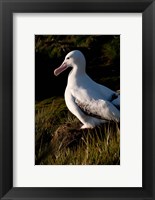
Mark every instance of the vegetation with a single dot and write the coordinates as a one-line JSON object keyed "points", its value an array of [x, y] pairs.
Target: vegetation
{"points": [[58, 137]]}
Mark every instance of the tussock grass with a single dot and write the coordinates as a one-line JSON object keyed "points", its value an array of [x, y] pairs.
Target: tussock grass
{"points": [[60, 141]]}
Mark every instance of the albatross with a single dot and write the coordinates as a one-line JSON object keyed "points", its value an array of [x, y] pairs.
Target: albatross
{"points": [[92, 103]]}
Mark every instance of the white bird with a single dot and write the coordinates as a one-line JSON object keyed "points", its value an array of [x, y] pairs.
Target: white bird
{"points": [[89, 101]]}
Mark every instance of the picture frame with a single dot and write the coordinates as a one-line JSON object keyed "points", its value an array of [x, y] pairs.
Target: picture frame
{"points": [[7, 8]]}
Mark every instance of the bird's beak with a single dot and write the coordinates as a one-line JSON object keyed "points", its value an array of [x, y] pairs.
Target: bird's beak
{"points": [[60, 69]]}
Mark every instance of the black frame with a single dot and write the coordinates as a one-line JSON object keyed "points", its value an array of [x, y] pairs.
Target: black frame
{"points": [[7, 8]]}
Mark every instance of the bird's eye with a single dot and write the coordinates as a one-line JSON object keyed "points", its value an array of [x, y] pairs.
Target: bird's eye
{"points": [[67, 58]]}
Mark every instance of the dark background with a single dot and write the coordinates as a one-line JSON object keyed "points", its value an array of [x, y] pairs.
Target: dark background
{"points": [[102, 53]]}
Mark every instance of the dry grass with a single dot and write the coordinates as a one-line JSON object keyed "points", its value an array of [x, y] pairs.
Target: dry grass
{"points": [[60, 141]]}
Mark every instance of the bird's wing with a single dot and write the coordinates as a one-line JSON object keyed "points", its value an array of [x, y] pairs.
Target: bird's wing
{"points": [[99, 108], [116, 102]]}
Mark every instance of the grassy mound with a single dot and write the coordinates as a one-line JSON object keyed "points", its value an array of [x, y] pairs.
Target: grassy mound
{"points": [[60, 141]]}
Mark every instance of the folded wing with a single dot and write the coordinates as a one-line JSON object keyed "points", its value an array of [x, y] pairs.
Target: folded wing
{"points": [[101, 109]]}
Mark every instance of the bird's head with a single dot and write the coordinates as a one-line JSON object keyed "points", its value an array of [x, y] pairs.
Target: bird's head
{"points": [[74, 59]]}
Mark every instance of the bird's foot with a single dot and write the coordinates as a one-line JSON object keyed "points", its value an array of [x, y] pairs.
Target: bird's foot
{"points": [[86, 126]]}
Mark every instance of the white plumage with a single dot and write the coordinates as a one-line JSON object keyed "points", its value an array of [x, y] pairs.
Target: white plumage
{"points": [[89, 101]]}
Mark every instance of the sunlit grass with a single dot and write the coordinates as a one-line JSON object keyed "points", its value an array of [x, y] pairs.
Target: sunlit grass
{"points": [[60, 141]]}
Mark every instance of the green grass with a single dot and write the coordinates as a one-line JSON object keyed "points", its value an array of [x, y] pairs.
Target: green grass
{"points": [[60, 141]]}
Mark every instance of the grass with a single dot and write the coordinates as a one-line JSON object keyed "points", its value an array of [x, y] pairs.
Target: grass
{"points": [[60, 141]]}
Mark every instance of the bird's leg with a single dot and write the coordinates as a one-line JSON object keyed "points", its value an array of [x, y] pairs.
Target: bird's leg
{"points": [[84, 119], [92, 122], [85, 126], [87, 121]]}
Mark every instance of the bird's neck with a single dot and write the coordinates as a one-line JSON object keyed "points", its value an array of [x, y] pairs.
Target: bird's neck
{"points": [[76, 73], [78, 70]]}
